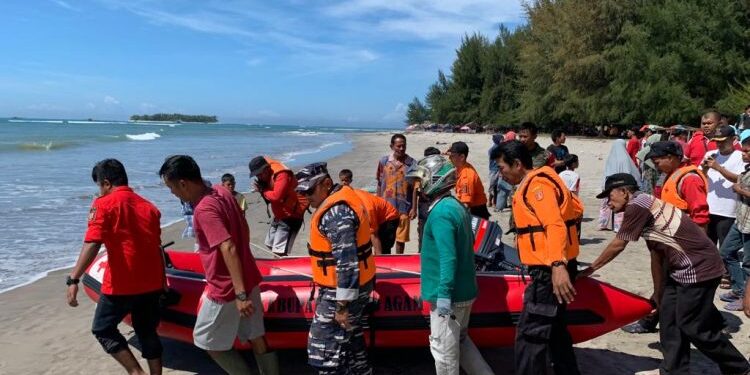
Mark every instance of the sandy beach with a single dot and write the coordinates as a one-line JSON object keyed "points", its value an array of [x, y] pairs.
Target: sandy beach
{"points": [[40, 334]]}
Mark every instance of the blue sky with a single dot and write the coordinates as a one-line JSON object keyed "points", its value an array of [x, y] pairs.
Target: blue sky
{"points": [[352, 63]]}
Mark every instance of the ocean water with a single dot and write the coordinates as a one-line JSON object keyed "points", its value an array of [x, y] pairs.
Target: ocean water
{"points": [[46, 187]]}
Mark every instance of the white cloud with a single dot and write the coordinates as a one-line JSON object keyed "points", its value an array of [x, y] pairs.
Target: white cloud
{"points": [[398, 114], [90, 105], [65, 5], [110, 100], [256, 25], [433, 20]]}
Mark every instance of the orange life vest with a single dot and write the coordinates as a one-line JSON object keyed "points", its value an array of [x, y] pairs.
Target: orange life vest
{"points": [[531, 237], [292, 205], [670, 193], [320, 249]]}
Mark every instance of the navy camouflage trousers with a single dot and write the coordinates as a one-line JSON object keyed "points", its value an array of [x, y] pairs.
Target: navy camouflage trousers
{"points": [[330, 348]]}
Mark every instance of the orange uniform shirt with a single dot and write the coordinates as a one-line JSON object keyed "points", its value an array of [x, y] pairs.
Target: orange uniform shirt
{"points": [[469, 188], [378, 209]]}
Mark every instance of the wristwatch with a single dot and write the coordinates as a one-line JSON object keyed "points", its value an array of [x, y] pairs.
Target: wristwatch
{"points": [[71, 281], [558, 263], [241, 296], [341, 307]]}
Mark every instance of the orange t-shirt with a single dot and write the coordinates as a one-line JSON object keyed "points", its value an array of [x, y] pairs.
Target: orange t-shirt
{"points": [[378, 209], [469, 188]]}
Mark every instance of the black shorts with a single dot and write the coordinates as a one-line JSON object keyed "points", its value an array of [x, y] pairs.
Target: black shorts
{"points": [[144, 314], [387, 235]]}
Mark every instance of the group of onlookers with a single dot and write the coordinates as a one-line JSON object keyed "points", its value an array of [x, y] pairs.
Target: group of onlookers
{"points": [[702, 176]]}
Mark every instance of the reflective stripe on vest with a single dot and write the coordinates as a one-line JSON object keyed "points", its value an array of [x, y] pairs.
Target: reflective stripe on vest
{"points": [[321, 251], [670, 193], [531, 238]]}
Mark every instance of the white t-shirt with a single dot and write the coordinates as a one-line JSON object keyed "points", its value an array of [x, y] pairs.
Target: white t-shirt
{"points": [[722, 200], [571, 180]]}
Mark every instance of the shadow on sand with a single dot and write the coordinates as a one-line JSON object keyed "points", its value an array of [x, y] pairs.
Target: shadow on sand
{"points": [[185, 357]]}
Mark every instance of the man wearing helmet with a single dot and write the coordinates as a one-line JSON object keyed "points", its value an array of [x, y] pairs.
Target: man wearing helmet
{"points": [[343, 269], [448, 278]]}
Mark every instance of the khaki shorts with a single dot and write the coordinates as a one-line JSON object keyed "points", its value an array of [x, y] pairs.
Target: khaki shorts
{"points": [[218, 324], [402, 232]]}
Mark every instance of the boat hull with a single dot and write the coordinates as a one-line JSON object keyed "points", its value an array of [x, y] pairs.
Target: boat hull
{"points": [[397, 317]]}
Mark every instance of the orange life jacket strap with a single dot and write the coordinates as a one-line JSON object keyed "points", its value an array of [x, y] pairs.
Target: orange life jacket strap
{"points": [[538, 228], [326, 258]]}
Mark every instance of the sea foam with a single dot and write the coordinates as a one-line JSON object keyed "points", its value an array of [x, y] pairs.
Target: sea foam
{"points": [[142, 137]]}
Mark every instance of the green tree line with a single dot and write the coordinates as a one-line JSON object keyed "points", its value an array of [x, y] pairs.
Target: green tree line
{"points": [[174, 117], [590, 62]]}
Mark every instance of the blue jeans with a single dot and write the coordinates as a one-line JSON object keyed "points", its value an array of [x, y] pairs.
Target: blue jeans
{"points": [[738, 268], [500, 189]]}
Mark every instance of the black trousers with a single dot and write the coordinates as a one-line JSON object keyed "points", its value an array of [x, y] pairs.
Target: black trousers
{"points": [[687, 315], [718, 227], [387, 235], [542, 334], [144, 314]]}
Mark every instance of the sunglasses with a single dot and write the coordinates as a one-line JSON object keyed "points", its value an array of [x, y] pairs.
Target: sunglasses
{"points": [[309, 191]]}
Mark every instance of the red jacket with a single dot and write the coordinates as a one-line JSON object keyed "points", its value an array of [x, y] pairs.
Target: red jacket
{"points": [[633, 146]]}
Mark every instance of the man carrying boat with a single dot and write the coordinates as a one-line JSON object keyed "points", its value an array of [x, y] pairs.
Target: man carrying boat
{"points": [[448, 279], [546, 214], [231, 306], [684, 294], [343, 268], [276, 183], [128, 226]]}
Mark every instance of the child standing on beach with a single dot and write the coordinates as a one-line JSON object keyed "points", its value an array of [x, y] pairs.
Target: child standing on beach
{"points": [[569, 175], [227, 180]]}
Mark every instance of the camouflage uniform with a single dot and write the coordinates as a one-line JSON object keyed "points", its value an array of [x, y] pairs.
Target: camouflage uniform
{"points": [[539, 156], [330, 348]]}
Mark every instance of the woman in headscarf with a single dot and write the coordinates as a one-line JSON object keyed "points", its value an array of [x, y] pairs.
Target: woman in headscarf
{"points": [[618, 161]]}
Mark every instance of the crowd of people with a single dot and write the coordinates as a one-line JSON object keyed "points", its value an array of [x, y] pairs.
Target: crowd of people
{"points": [[652, 189]]}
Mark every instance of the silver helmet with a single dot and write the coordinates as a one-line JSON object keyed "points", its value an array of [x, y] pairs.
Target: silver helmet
{"points": [[436, 174]]}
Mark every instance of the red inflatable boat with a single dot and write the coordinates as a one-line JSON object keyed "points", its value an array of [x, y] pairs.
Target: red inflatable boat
{"points": [[398, 317]]}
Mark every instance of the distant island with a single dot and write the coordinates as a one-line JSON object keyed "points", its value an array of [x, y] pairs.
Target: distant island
{"points": [[174, 117]]}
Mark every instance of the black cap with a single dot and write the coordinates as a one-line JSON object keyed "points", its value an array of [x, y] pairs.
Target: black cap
{"points": [[722, 133], [615, 181], [257, 165], [310, 175], [679, 129], [664, 148], [459, 148]]}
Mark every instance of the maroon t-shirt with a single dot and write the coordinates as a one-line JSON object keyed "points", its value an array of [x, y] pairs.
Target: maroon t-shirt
{"points": [[217, 218], [692, 257]]}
